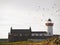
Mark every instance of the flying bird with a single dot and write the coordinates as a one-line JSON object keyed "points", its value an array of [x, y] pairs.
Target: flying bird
{"points": [[57, 10], [54, 4], [43, 8], [53, 7]]}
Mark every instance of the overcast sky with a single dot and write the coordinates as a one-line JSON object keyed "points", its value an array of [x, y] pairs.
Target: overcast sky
{"points": [[26, 13]]}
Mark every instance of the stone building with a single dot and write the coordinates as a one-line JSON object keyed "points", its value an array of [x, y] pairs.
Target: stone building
{"points": [[27, 34]]}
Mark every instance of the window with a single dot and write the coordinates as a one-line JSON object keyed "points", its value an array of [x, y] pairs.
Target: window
{"points": [[37, 34], [33, 34], [20, 34], [15, 34], [40, 34]]}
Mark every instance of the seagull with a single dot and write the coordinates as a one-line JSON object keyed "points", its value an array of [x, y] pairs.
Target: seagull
{"points": [[58, 10], [43, 8], [52, 7], [54, 4]]}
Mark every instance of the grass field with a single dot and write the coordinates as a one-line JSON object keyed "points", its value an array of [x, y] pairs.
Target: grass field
{"points": [[51, 41]]}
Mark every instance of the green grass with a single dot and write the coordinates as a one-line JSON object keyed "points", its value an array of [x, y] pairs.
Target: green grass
{"points": [[51, 41]]}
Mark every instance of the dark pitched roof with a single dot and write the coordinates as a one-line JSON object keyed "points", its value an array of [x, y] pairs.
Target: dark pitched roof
{"points": [[20, 30]]}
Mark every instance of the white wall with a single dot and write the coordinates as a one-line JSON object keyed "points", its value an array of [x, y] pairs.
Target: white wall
{"points": [[50, 30]]}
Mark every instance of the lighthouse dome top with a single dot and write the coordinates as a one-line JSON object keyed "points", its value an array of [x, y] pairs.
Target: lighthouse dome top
{"points": [[49, 19], [49, 22]]}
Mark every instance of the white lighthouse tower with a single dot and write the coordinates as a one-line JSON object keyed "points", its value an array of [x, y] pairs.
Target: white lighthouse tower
{"points": [[49, 25]]}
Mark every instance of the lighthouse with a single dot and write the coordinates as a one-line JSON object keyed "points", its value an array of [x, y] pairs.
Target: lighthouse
{"points": [[49, 25]]}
